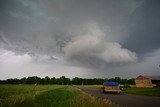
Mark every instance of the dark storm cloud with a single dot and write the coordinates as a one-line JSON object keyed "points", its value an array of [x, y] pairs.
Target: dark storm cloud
{"points": [[93, 32], [48, 27], [26, 28], [91, 38], [144, 28]]}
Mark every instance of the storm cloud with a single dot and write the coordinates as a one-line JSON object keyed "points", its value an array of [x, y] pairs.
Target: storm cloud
{"points": [[86, 35], [91, 48]]}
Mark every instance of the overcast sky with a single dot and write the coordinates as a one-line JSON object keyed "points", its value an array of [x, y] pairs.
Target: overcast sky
{"points": [[79, 38]]}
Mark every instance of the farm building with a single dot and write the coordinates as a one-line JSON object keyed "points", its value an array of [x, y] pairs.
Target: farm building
{"points": [[147, 81]]}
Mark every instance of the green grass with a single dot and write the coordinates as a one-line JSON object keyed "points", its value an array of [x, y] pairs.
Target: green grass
{"points": [[47, 96], [22, 95], [143, 91], [91, 86], [57, 97]]}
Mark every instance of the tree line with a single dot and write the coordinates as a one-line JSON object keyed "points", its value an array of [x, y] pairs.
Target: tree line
{"points": [[64, 81]]}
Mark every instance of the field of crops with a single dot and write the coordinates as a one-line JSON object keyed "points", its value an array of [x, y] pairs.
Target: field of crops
{"points": [[47, 96]]}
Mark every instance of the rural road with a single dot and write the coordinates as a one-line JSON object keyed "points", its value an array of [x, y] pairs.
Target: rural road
{"points": [[128, 100]]}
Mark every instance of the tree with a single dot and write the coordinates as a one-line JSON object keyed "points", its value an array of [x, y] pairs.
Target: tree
{"points": [[46, 80], [64, 81]]}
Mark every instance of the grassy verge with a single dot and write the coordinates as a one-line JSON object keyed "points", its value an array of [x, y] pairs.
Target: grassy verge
{"points": [[86, 100], [47, 96], [143, 91], [91, 86]]}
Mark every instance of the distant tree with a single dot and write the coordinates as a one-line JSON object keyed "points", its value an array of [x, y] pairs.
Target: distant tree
{"points": [[53, 80], [32, 80], [131, 81], [77, 81], [13, 81], [46, 80], [23, 80], [65, 81]]}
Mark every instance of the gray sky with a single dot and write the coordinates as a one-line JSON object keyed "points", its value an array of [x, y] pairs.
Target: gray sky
{"points": [[83, 38]]}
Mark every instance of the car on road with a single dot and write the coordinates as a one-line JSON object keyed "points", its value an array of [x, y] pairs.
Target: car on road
{"points": [[111, 87]]}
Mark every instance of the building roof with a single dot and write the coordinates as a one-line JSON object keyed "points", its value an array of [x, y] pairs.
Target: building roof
{"points": [[141, 78], [148, 77]]}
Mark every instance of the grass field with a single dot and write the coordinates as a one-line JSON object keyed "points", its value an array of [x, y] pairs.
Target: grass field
{"points": [[143, 91], [47, 96], [91, 86]]}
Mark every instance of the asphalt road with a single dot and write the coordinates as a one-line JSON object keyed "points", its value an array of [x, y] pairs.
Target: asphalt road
{"points": [[128, 100]]}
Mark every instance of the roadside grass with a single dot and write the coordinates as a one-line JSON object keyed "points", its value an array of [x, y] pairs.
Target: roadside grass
{"points": [[143, 91], [48, 96], [91, 86], [86, 100]]}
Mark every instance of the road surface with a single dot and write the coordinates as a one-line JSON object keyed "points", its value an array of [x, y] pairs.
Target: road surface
{"points": [[128, 100]]}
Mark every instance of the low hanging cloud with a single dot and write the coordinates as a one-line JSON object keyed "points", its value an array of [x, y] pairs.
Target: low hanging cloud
{"points": [[92, 48], [67, 37]]}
